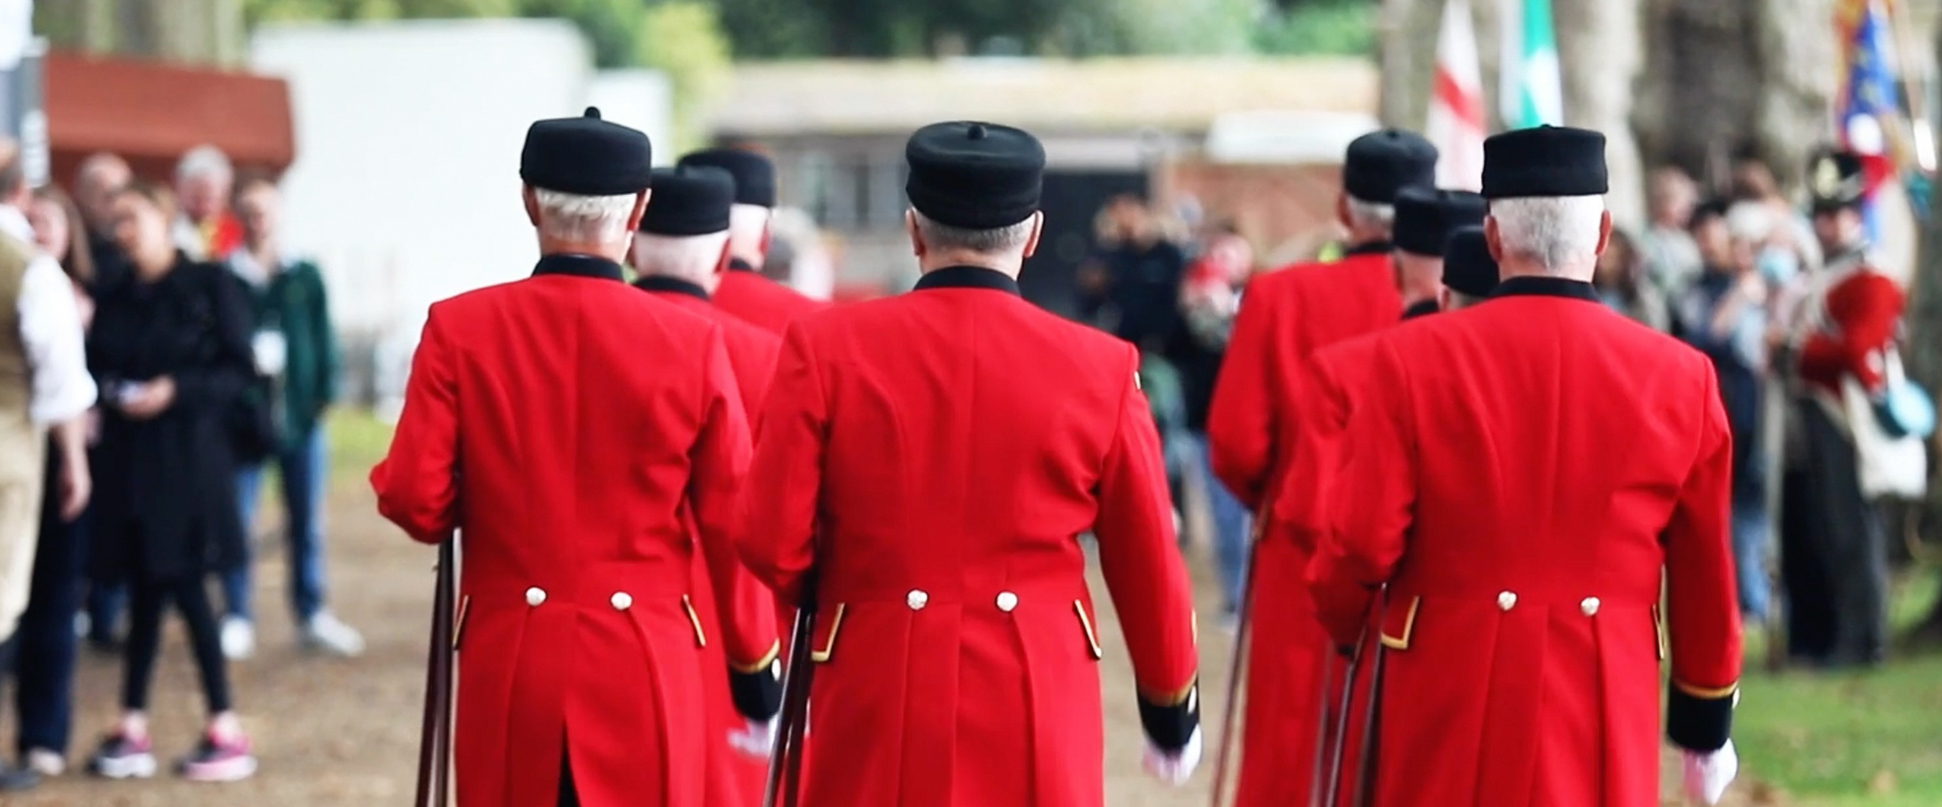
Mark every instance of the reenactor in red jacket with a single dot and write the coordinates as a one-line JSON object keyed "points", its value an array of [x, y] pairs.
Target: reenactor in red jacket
{"points": [[744, 292], [932, 459], [1515, 559], [680, 255], [1285, 316], [586, 441]]}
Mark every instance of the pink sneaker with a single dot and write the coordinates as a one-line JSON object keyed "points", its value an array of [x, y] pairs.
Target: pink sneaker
{"points": [[217, 760], [123, 757]]}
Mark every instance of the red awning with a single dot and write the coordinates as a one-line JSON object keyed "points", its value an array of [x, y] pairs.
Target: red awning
{"points": [[150, 113]]}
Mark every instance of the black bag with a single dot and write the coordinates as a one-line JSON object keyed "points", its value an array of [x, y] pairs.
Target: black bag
{"points": [[252, 432]]}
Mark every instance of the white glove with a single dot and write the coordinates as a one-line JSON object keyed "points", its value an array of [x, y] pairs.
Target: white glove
{"points": [[756, 738], [1708, 774], [1175, 768]]}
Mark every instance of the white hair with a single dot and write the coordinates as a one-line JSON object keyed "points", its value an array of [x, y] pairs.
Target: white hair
{"points": [[1751, 222], [1559, 233], [998, 240], [203, 161], [584, 219], [689, 257], [1364, 215]]}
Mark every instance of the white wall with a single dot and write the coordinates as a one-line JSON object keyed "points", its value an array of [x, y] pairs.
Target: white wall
{"points": [[406, 184], [643, 99]]}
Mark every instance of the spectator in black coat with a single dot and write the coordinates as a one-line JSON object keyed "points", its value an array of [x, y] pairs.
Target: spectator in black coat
{"points": [[171, 347]]}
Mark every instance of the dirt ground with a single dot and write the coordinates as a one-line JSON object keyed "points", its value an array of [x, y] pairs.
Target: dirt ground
{"points": [[334, 732]]}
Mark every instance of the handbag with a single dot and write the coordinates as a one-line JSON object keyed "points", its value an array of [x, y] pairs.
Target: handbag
{"points": [[246, 421], [1904, 408]]}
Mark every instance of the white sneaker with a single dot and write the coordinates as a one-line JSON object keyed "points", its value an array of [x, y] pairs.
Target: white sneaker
{"points": [[239, 638], [46, 763], [326, 633]]}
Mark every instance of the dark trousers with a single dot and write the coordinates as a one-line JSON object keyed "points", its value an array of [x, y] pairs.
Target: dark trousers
{"points": [[147, 600], [1838, 535], [44, 667]]}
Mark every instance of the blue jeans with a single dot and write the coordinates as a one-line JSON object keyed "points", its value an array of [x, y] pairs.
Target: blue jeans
{"points": [[1750, 557], [303, 472], [44, 671], [1230, 526]]}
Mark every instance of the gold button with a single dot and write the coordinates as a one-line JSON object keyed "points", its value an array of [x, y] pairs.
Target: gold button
{"points": [[535, 596], [1506, 600], [917, 599], [622, 600], [1007, 601], [1589, 606]]}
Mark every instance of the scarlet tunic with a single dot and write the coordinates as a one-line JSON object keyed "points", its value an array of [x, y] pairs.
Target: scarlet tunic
{"points": [[765, 303], [1253, 434], [935, 456], [563, 424], [1520, 474], [1857, 322], [734, 778]]}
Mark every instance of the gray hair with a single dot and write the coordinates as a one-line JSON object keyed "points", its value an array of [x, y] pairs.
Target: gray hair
{"points": [[1559, 233], [584, 219], [203, 161], [1009, 238], [689, 257], [1364, 215]]}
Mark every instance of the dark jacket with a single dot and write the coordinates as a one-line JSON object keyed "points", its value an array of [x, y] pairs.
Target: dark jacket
{"points": [[165, 496], [293, 302]]}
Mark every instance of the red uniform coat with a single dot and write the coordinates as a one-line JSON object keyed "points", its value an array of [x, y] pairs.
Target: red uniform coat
{"points": [[734, 778], [765, 303], [1253, 434], [1857, 322], [568, 426], [935, 457], [1520, 474]]}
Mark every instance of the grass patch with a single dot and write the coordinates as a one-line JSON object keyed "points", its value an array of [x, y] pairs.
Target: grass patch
{"points": [[358, 441], [1850, 738]]}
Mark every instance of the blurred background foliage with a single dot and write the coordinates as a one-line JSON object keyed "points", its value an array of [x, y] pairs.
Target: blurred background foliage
{"points": [[668, 33]]}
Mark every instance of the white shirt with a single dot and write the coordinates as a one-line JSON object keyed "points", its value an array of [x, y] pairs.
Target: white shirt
{"points": [[50, 329]]}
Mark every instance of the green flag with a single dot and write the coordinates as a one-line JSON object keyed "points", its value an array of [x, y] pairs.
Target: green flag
{"points": [[1531, 92]]}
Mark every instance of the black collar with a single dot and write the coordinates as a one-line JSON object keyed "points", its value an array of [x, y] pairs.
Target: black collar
{"points": [[1371, 248], [578, 266], [739, 265], [1421, 308], [968, 277], [673, 285], [1532, 286]]}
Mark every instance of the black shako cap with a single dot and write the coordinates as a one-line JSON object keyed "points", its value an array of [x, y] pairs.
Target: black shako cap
{"points": [[753, 173], [1381, 163], [1467, 265], [977, 176], [1425, 217], [1835, 180], [689, 200], [586, 156], [1544, 161]]}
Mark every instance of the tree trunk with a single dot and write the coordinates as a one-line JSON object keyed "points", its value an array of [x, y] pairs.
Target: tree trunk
{"points": [[1924, 362], [1598, 50], [1727, 77]]}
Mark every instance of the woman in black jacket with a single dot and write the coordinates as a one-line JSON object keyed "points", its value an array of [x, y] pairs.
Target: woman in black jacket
{"points": [[170, 348]]}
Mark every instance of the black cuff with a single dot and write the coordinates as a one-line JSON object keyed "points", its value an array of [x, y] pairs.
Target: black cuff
{"points": [[1169, 727], [758, 695], [1699, 722]]}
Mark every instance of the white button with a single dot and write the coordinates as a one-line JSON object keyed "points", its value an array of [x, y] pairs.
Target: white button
{"points": [[917, 599], [535, 596], [1007, 601], [1589, 606], [1507, 600], [621, 600]]}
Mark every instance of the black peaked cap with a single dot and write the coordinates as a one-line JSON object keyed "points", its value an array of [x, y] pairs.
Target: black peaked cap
{"points": [[1381, 163], [753, 173], [977, 176], [689, 200], [586, 156], [1545, 161]]}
